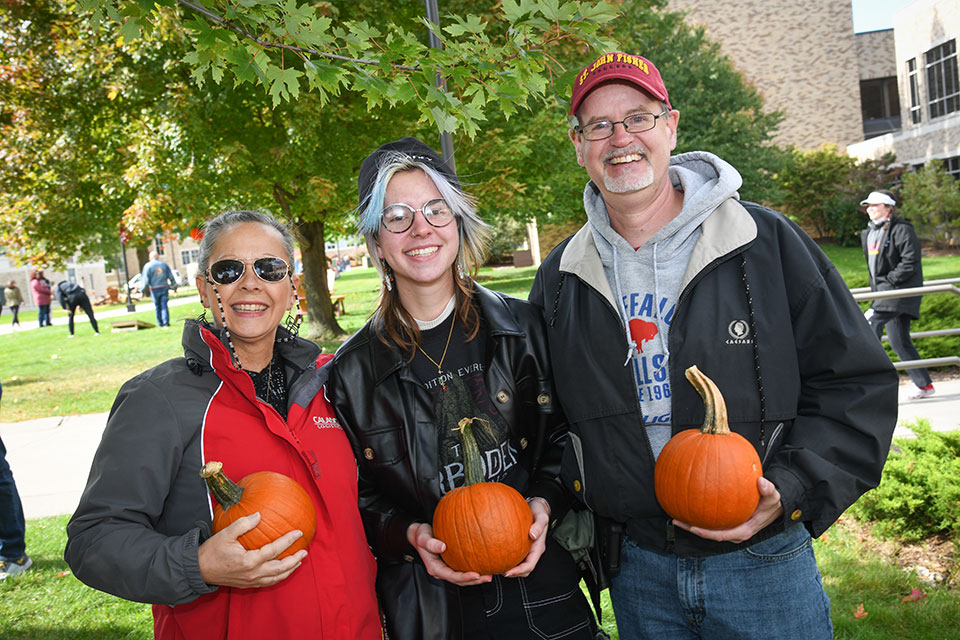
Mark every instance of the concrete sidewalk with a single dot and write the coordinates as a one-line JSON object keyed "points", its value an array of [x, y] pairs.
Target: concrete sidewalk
{"points": [[80, 318], [50, 457]]}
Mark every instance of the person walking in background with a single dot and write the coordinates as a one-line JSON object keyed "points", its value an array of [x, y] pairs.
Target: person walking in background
{"points": [[71, 295], [14, 300], [13, 547], [673, 270], [41, 296], [892, 250], [157, 278]]}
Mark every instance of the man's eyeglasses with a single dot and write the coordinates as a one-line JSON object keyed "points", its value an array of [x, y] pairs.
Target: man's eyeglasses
{"points": [[636, 123], [397, 218], [267, 269]]}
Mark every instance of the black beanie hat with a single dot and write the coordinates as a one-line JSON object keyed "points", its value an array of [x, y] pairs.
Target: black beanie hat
{"points": [[411, 147]]}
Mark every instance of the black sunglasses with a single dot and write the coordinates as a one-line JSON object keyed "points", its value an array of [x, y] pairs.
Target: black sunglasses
{"points": [[267, 269]]}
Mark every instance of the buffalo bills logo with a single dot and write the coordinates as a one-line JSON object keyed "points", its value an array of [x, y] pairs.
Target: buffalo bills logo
{"points": [[642, 331]]}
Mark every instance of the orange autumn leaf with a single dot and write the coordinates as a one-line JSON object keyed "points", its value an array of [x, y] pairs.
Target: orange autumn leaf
{"points": [[915, 595], [859, 613]]}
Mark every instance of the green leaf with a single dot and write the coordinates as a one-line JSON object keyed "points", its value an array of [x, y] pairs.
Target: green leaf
{"points": [[284, 84]]}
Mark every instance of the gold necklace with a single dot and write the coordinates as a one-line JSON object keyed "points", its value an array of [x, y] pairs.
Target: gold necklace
{"points": [[439, 365]]}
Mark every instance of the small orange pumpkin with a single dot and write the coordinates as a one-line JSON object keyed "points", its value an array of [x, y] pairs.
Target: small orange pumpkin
{"points": [[707, 477], [283, 505], [485, 525]]}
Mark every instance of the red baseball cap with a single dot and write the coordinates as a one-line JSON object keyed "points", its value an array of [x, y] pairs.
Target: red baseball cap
{"points": [[618, 66]]}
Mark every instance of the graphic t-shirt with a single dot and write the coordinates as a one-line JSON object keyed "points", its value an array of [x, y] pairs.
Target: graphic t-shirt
{"points": [[460, 394]]}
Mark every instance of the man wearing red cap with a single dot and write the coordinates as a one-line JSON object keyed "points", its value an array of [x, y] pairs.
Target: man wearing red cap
{"points": [[673, 270]]}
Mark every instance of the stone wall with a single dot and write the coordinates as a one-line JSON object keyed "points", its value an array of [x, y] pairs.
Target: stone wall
{"points": [[802, 56], [876, 54]]}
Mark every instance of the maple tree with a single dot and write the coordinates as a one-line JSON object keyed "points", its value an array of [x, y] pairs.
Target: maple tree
{"points": [[169, 148]]}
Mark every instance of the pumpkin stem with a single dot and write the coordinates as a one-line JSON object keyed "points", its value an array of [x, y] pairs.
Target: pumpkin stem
{"points": [[226, 491], [472, 461], [715, 417]]}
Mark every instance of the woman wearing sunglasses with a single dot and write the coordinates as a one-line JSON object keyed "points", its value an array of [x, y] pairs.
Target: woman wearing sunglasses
{"points": [[441, 348], [248, 393]]}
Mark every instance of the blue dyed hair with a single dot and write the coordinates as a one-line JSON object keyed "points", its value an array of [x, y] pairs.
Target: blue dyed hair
{"points": [[474, 232]]}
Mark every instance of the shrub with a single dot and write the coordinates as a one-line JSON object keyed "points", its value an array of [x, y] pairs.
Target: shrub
{"points": [[506, 234], [919, 494], [931, 200]]}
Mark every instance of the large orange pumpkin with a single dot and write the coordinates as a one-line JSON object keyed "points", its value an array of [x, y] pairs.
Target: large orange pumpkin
{"points": [[485, 525], [707, 477], [283, 505]]}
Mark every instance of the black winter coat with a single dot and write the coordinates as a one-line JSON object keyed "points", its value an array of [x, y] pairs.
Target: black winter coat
{"points": [[764, 314], [898, 266], [389, 417]]}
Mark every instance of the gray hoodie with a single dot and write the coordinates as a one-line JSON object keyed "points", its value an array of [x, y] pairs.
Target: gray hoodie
{"points": [[647, 280]]}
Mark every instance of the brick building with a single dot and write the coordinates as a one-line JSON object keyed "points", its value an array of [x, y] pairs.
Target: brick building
{"points": [[920, 71], [802, 57]]}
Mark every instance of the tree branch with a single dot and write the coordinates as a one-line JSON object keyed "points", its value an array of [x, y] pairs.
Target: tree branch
{"points": [[220, 20]]}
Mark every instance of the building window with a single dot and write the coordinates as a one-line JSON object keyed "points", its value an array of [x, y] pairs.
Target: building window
{"points": [[943, 88], [952, 165], [912, 74], [189, 256], [880, 106]]}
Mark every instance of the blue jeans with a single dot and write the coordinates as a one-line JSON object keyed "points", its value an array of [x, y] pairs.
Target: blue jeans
{"points": [[771, 589], [44, 314], [160, 303], [12, 524]]}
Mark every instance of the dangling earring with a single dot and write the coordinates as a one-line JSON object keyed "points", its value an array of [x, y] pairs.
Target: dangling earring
{"points": [[387, 275], [461, 273], [226, 331], [293, 320]]}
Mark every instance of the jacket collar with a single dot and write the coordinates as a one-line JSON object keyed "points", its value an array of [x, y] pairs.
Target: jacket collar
{"points": [[496, 319], [299, 353], [729, 227]]}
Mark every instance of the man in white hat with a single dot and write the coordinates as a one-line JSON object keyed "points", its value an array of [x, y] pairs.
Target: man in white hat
{"points": [[892, 250]]}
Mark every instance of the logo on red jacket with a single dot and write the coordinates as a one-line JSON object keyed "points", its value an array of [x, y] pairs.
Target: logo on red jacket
{"points": [[322, 422], [642, 331]]}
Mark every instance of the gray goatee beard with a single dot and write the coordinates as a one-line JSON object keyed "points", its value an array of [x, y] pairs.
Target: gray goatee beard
{"points": [[631, 181]]}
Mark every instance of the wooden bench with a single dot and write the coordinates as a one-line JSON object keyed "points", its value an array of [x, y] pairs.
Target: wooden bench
{"points": [[339, 306], [130, 324]]}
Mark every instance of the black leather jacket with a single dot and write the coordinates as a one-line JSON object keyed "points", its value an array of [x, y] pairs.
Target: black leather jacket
{"points": [[898, 266], [389, 417]]}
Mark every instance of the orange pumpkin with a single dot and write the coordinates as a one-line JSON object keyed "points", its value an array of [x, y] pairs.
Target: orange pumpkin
{"points": [[283, 505], [485, 525], [707, 477]]}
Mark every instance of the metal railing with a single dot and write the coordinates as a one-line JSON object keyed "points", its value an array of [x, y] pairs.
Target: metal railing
{"points": [[862, 294]]}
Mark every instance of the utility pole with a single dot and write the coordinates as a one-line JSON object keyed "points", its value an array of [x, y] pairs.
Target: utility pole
{"points": [[446, 140]]}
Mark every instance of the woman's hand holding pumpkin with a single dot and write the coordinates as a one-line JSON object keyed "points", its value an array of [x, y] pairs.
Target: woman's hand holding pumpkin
{"points": [[224, 561], [420, 536], [538, 534], [768, 510]]}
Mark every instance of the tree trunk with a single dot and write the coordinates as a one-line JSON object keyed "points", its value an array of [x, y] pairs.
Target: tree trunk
{"points": [[321, 322], [143, 257]]}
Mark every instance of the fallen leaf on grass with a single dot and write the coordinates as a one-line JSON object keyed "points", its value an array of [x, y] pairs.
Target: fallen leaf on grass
{"points": [[859, 612], [63, 574], [915, 595]]}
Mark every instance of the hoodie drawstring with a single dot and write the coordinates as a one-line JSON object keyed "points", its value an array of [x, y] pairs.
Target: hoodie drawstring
{"points": [[656, 296], [632, 344]]}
